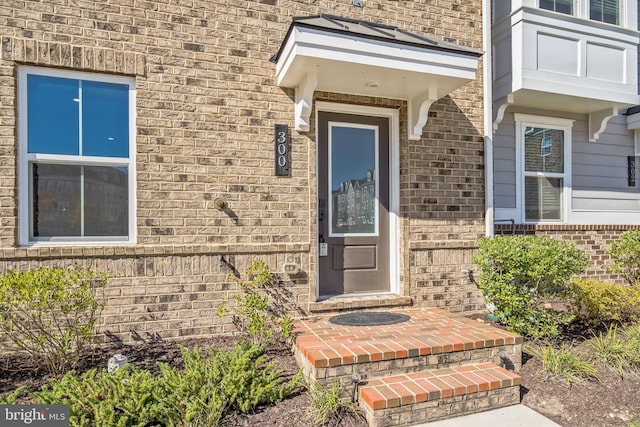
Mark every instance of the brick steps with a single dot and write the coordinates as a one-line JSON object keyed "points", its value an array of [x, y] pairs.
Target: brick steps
{"points": [[437, 394], [437, 365]]}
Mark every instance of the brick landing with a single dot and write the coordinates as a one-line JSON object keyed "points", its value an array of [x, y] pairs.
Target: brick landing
{"points": [[430, 331]]}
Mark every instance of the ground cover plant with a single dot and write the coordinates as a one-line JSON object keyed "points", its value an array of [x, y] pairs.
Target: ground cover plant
{"points": [[204, 392], [618, 349], [564, 363], [327, 408]]}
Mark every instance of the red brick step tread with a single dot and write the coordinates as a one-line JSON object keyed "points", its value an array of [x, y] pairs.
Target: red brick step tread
{"points": [[406, 389], [430, 331]]}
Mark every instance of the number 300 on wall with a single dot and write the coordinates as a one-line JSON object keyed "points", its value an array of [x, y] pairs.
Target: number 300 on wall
{"points": [[282, 150]]}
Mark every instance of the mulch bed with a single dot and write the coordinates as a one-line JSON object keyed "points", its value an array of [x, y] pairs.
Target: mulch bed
{"points": [[612, 402]]}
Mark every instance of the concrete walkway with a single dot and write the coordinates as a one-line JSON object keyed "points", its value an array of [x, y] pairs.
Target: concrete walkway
{"points": [[511, 416]]}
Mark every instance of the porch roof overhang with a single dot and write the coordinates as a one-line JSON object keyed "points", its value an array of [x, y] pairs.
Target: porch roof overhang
{"points": [[334, 54]]}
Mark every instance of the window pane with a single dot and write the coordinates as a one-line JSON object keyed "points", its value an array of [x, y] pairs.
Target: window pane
{"points": [[543, 198], [544, 150], [562, 6], [52, 115], [604, 11], [353, 183], [105, 119], [56, 200], [106, 201]]}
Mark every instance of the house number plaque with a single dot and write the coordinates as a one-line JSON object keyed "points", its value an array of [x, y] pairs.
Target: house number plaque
{"points": [[631, 161], [282, 150]]}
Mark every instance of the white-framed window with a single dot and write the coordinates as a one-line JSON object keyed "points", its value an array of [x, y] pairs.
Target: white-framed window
{"points": [[560, 6], [543, 149], [608, 11], [76, 141], [605, 11]]}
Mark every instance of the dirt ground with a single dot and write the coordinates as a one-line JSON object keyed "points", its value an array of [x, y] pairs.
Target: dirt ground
{"points": [[611, 402]]}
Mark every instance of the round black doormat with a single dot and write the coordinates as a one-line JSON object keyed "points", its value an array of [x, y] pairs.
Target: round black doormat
{"points": [[369, 318]]}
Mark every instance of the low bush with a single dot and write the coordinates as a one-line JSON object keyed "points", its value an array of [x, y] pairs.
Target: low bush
{"points": [[51, 313], [626, 256], [204, 393], [518, 272], [253, 313], [597, 302], [564, 363]]}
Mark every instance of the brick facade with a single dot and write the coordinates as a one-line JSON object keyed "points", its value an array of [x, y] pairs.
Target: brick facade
{"points": [[206, 106]]}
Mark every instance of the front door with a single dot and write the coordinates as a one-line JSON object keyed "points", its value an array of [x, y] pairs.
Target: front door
{"points": [[353, 204]]}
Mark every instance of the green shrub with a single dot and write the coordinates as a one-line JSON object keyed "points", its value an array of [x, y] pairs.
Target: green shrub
{"points": [[327, 408], [253, 313], [598, 302], [626, 256], [204, 393], [50, 313], [518, 272], [564, 363]]}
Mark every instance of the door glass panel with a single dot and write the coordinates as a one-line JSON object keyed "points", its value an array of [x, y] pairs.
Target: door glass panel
{"points": [[353, 161]]}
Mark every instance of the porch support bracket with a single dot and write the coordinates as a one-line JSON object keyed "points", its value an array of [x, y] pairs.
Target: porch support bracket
{"points": [[598, 122], [499, 114], [304, 101], [419, 111]]}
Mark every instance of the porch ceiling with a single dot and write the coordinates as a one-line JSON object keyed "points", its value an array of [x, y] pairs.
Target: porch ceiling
{"points": [[335, 54]]}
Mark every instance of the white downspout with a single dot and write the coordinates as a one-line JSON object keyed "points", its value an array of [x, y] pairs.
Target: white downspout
{"points": [[488, 116]]}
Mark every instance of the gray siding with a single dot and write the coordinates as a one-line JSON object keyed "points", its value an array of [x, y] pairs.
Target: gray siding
{"points": [[598, 170], [504, 158]]}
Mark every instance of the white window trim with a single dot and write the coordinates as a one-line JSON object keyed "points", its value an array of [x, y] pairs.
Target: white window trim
{"points": [[25, 159], [581, 10], [566, 125]]}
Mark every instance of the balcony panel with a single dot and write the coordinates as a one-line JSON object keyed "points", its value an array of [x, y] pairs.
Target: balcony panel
{"points": [[605, 63], [558, 54], [560, 62]]}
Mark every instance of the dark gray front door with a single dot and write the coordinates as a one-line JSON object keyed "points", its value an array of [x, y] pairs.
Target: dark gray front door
{"points": [[353, 204]]}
